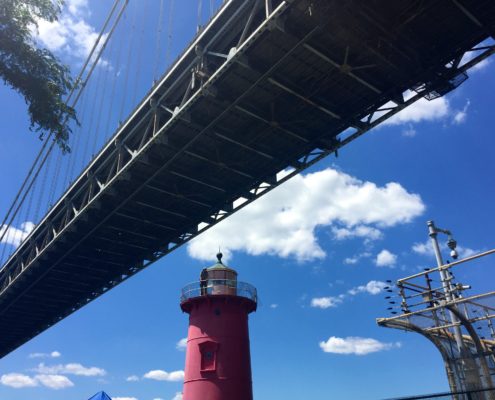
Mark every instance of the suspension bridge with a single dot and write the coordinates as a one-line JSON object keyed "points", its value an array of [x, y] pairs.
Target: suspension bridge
{"points": [[265, 89]]}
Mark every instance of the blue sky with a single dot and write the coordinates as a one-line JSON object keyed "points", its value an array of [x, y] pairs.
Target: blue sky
{"points": [[318, 249]]}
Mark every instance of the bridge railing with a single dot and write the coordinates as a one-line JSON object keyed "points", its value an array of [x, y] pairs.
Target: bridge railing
{"points": [[223, 287]]}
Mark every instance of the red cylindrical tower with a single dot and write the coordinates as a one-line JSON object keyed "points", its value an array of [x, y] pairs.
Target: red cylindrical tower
{"points": [[218, 362]]}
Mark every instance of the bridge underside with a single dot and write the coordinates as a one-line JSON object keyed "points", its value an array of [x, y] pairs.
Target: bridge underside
{"points": [[257, 92]]}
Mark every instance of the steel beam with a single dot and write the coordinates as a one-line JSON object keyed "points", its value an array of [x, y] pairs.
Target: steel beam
{"points": [[303, 98], [339, 67]]}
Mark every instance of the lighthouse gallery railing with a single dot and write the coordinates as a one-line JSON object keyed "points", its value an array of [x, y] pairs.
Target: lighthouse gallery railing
{"points": [[214, 287]]}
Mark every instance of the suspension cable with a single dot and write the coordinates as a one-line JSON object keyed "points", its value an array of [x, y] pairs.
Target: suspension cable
{"points": [[93, 49], [45, 144], [29, 186]]}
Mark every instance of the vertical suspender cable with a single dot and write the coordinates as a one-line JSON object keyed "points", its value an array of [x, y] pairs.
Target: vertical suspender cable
{"points": [[140, 53], [16, 231], [30, 203], [200, 13], [158, 38], [112, 95], [54, 180], [23, 186], [100, 114], [169, 34], [5, 240], [132, 32], [76, 140], [8, 234], [68, 158], [43, 187], [98, 88]]}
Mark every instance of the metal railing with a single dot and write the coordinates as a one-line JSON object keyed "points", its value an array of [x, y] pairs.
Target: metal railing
{"points": [[214, 287], [480, 394]]}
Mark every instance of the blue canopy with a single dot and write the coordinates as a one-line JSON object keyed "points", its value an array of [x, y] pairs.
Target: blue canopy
{"points": [[100, 396]]}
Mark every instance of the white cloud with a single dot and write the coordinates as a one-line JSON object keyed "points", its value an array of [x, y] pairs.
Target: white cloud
{"points": [[273, 305], [409, 131], [70, 35], [178, 396], [426, 249], [356, 258], [77, 7], [355, 345], [124, 398], [352, 260], [427, 111], [461, 115], [54, 381], [372, 287], [72, 368], [15, 236], [361, 231], [385, 259], [420, 111], [466, 251], [18, 381], [53, 354], [157, 398], [159, 375], [283, 222], [53, 35], [325, 302], [132, 378], [181, 344]]}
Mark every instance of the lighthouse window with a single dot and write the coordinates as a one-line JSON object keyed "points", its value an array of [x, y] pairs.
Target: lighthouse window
{"points": [[208, 355]]}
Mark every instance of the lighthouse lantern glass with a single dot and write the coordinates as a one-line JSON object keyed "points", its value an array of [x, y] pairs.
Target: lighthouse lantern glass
{"points": [[222, 281]]}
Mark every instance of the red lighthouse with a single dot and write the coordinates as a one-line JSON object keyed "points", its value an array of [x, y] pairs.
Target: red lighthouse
{"points": [[218, 362]]}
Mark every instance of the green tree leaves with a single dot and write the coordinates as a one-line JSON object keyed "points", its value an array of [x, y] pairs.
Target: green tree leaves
{"points": [[33, 72]]}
